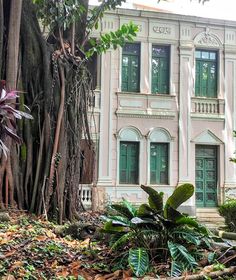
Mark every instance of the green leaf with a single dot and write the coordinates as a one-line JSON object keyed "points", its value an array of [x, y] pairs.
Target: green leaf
{"points": [[119, 220], [110, 228], [191, 222], [138, 261], [122, 240], [138, 221], [181, 255], [179, 196], [121, 209], [155, 198], [186, 220], [187, 234], [211, 257], [172, 214], [132, 209], [176, 269], [144, 210]]}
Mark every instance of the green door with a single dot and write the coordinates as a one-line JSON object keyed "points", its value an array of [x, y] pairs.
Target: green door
{"points": [[206, 176]]}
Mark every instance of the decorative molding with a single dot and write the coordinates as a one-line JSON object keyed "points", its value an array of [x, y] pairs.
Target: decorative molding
{"points": [[207, 137], [146, 115], [161, 29], [207, 39], [208, 117], [230, 37], [185, 33]]}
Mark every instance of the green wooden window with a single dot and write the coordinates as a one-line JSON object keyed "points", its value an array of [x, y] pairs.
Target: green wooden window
{"points": [[159, 163], [206, 73], [160, 69], [129, 162], [131, 67]]}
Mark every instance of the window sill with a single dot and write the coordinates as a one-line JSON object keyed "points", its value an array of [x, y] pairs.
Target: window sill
{"points": [[159, 185], [128, 185], [145, 94]]}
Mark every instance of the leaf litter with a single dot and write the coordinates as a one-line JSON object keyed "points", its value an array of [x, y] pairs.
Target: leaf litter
{"points": [[30, 249]]}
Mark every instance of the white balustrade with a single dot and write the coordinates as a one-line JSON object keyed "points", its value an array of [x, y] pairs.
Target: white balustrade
{"points": [[85, 195], [207, 106]]}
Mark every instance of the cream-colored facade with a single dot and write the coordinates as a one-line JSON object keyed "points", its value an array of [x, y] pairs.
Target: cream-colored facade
{"points": [[178, 118]]}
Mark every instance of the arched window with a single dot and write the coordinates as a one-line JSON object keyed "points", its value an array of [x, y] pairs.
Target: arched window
{"points": [[129, 150]]}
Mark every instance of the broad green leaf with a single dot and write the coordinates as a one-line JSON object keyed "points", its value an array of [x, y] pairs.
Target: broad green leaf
{"points": [[190, 235], [181, 255], [137, 221], [186, 220], [122, 240], [176, 269], [132, 209], [122, 209], [119, 220], [179, 196], [172, 214], [110, 228], [138, 261], [144, 210], [155, 198]]}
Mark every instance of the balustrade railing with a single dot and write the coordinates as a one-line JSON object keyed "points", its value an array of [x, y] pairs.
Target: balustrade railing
{"points": [[207, 106], [85, 195]]}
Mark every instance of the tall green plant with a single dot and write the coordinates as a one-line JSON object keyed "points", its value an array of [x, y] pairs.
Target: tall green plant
{"points": [[152, 229]]}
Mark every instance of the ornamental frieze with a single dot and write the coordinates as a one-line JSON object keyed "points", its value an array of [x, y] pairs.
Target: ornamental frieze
{"points": [[162, 29]]}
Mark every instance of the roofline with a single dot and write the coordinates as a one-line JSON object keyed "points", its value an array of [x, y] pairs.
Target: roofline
{"points": [[171, 16]]}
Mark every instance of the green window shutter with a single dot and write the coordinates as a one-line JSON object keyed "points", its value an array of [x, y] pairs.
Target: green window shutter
{"points": [[131, 67], [212, 85], [206, 74], [197, 79], [129, 162], [159, 163], [123, 163], [160, 69], [125, 74]]}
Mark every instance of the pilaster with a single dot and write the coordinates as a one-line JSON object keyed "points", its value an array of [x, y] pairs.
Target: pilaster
{"points": [[185, 93], [105, 132], [230, 117]]}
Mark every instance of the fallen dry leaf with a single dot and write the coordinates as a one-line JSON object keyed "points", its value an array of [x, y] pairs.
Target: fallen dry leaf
{"points": [[64, 273], [127, 273], [12, 252], [15, 265], [85, 243], [41, 238], [99, 277]]}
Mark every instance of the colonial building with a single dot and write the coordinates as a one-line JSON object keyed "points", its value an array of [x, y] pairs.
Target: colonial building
{"points": [[165, 108]]}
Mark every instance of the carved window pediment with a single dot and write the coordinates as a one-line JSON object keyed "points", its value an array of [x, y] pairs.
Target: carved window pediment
{"points": [[207, 39]]}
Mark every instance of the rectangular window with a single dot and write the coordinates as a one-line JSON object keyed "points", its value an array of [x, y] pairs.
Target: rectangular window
{"points": [[160, 69], [131, 67], [129, 162], [206, 73], [159, 156]]}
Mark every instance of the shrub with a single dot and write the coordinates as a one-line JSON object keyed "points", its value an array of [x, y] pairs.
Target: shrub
{"points": [[156, 232], [228, 211]]}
